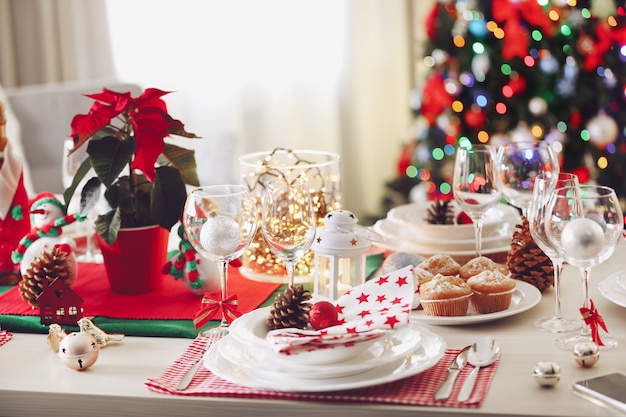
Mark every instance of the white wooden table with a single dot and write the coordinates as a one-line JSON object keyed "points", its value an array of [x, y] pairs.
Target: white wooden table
{"points": [[33, 381]]}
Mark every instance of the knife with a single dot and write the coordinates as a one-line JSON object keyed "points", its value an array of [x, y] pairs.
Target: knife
{"points": [[445, 389]]}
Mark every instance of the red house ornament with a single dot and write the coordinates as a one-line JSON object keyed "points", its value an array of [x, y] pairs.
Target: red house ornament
{"points": [[59, 303]]}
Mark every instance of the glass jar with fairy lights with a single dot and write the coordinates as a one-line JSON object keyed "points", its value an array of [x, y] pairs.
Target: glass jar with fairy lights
{"points": [[321, 169]]}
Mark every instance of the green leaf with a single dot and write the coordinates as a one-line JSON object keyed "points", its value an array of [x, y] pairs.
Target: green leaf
{"points": [[89, 196], [82, 170], [168, 197], [109, 156], [182, 159], [108, 225]]}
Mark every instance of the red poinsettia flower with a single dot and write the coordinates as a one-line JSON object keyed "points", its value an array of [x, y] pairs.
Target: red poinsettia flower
{"points": [[144, 118], [144, 177]]}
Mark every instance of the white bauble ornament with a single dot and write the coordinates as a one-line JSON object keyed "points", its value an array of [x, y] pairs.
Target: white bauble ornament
{"points": [[78, 350], [582, 238], [602, 130], [537, 106], [220, 236]]}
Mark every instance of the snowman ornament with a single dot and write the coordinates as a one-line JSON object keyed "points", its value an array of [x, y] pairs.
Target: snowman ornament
{"points": [[47, 216]]}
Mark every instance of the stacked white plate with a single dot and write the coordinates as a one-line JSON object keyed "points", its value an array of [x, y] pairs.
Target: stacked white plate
{"points": [[613, 288], [405, 229], [244, 357]]}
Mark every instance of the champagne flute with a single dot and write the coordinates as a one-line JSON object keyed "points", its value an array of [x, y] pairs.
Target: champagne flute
{"points": [[475, 184], [544, 186], [288, 221], [220, 221], [586, 223], [520, 162]]}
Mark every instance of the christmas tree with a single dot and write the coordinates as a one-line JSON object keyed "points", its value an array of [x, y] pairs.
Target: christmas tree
{"points": [[505, 69]]}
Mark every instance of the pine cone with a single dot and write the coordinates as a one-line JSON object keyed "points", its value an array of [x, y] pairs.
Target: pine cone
{"points": [[290, 309], [440, 212], [48, 267], [526, 261]]}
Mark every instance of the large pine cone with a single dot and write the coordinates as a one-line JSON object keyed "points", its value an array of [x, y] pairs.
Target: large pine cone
{"points": [[526, 261], [48, 267], [440, 212], [290, 309]]}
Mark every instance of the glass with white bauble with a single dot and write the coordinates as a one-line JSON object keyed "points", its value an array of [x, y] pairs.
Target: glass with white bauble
{"points": [[544, 186], [220, 221], [519, 163], [475, 184], [586, 223]]}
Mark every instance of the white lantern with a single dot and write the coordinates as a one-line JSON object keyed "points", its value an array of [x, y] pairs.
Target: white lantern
{"points": [[339, 255]]}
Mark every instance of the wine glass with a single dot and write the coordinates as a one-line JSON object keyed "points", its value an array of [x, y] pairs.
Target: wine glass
{"points": [[288, 221], [586, 223], [475, 184], [69, 165], [544, 186], [520, 162], [220, 221]]}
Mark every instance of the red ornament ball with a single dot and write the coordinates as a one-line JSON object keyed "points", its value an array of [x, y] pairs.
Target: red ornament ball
{"points": [[322, 314]]}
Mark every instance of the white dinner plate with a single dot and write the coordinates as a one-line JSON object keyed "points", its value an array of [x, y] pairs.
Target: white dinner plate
{"points": [[395, 233], [424, 357], [612, 289], [462, 256], [397, 344], [413, 215], [525, 297]]}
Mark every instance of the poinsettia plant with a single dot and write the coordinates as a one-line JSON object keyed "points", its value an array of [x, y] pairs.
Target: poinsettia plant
{"points": [[144, 177]]}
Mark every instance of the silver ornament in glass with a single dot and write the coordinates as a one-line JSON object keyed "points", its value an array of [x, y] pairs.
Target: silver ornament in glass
{"points": [[586, 354], [547, 374]]}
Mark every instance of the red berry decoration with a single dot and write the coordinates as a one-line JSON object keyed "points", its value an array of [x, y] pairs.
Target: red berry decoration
{"points": [[322, 314], [463, 218]]}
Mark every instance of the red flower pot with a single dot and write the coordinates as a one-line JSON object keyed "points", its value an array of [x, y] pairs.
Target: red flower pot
{"points": [[134, 262]]}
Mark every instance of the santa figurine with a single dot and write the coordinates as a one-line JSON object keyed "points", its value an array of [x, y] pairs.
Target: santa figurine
{"points": [[14, 203], [47, 217]]}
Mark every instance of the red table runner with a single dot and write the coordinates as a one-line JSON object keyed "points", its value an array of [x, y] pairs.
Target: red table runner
{"points": [[172, 302], [415, 390]]}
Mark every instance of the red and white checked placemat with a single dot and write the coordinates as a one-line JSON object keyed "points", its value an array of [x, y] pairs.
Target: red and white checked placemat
{"points": [[5, 336], [416, 390]]}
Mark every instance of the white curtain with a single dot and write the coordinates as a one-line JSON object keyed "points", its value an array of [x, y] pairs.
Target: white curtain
{"points": [[49, 41], [302, 74]]}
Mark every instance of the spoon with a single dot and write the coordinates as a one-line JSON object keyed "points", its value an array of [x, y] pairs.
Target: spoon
{"points": [[482, 353]]}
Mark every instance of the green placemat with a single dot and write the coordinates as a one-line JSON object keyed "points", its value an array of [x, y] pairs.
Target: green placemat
{"points": [[151, 328]]}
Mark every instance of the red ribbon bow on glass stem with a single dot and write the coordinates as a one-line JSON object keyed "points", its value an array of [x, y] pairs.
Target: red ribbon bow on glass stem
{"points": [[212, 308], [594, 320]]}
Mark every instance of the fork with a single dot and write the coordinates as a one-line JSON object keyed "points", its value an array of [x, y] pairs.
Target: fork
{"points": [[214, 335]]}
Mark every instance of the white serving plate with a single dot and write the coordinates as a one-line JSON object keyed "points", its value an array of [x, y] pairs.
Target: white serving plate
{"points": [[399, 343], [413, 215], [429, 352], [612, 288], [250, 329], [525, 297]]}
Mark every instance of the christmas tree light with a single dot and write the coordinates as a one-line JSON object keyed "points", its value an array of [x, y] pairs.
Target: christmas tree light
{"points": [[506, 70]]}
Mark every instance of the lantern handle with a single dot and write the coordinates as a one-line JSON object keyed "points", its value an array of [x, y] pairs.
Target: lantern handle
{"points": [[364, 232]]}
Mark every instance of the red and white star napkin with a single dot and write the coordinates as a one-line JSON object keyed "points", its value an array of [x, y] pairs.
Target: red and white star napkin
{"points": [[365, 312]]}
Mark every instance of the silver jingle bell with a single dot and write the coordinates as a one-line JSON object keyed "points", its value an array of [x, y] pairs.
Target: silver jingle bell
{"points": [[586, 354], [547, 374]]}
